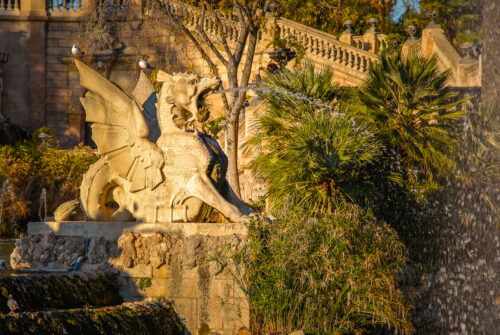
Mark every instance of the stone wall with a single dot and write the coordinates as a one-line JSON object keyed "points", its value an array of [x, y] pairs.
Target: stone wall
{"points": [[15, 39], [153, 260]]}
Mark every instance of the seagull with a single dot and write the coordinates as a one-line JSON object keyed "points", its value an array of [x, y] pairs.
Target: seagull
{"points": [[12, 304], [75, 51], [144, 64]]}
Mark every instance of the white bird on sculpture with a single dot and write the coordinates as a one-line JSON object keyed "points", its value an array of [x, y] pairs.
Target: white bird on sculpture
{"points": [[12, 304], [75, 51], [144, 64]]}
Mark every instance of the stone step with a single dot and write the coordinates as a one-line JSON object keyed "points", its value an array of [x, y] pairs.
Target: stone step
{"points": [[59, 291], [129, 318]]}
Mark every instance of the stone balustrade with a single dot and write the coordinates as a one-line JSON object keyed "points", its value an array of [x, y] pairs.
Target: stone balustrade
{"points": [[466, 71], [77, 8], [64, 5], [226, 24], [10, 6], [323, 48]]}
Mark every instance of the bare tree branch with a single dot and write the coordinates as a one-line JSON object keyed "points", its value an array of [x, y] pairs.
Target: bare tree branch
{"points": [[202, 32], [222, 36], [242, 37], [246, 13], [247, 70]]}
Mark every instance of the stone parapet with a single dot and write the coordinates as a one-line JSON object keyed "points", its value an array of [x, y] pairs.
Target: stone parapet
{"points": [[113, 230], [175, 261]]}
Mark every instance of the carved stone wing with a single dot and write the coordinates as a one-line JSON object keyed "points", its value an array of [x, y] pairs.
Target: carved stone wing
{"points": [[118, 127]]}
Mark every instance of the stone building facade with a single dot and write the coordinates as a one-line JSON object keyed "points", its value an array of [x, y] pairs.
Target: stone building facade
{"points": [[41, 84]]}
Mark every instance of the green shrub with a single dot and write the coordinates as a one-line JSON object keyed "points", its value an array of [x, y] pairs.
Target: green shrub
{"points": [[27, 168], [144, 283], [326, 275], [409, 103], [307, 152]]}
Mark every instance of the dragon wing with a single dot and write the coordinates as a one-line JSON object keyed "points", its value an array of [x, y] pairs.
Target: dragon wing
{"points": [[118, 127]]}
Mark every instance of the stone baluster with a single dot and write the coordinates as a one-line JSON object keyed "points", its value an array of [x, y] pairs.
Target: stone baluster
{"points": [[335, 53], [323, 51], [316, 46], [363, 64], [328, 51], [306, 42], [357, 60], [347, 57], [341, 55]]}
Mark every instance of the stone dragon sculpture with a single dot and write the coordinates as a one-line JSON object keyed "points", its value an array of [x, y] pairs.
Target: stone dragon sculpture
{"points": [[166, 181]]}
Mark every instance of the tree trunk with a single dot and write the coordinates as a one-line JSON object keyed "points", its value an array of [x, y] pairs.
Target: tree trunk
{"points": [[338, 17], [232, 153]]}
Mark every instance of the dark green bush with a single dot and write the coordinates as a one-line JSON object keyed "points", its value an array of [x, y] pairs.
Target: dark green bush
{"points": [[27, 168], [324, 274], [308, 151], [407, 99]]}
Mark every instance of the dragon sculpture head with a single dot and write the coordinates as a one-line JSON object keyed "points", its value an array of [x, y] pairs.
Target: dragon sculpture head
{"points": [[187, 93]]}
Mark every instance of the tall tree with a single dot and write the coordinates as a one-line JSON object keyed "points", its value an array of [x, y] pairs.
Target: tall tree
{"points": [[251, 19]]}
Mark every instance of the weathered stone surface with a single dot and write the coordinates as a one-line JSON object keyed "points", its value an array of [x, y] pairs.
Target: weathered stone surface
{"points": [[178, 265], [167, 181], [63, 211]]}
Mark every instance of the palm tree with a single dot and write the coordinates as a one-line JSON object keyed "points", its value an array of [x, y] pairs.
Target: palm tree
{"points": [[306, 150], [407, 99]]}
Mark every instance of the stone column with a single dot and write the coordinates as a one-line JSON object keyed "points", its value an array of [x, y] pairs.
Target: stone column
{"points": [[347, 35], [370, 37], [33, 7]]}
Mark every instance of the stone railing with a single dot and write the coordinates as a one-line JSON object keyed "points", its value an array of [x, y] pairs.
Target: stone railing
{"points": [[71, 8], [10, 6], [226, 24], [466, 71], [323, 48]]}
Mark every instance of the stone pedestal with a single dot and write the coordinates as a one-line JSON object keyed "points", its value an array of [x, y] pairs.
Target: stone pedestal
{"points": [[173, 261]]}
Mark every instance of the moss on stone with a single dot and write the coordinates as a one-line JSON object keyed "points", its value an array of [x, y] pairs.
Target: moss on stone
{"points": [[60, 291]]}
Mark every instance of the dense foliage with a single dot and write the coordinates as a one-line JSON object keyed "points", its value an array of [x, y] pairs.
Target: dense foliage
{"points": [[307, 151], [407, 99], [325, 274], [27, 168], [325, 265], [329, 15], [461, 19]]}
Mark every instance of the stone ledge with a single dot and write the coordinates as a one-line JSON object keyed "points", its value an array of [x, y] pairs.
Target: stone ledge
{"points": [[113, 230]]}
